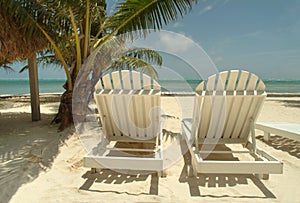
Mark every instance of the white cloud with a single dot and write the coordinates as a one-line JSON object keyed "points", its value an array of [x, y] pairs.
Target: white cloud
{"points": [[206, 9], [213, 5], [218, 59], [173, 43], [252, 34], [177, 24]]}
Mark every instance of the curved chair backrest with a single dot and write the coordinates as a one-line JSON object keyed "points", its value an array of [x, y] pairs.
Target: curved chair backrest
{"points": [[225, 106], [233, 80], [127, 80], [129, 105]]}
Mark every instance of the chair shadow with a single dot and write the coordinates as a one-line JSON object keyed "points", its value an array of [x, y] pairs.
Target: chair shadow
{"points": [[219, 180], [25, 151], [107, 176], [169, 135], [284, 144], [288, 103]]}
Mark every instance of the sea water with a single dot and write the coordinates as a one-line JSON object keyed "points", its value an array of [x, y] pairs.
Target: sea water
{"points": [[21, 86]]}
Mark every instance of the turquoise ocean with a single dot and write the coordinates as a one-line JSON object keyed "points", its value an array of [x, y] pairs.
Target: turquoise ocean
{"points": [[21, 86]]}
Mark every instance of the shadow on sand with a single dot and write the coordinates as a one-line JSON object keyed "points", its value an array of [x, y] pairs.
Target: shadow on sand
{"points": [[26, 149], [219, 181], [284, 144], [107, 176], [288, 103]]}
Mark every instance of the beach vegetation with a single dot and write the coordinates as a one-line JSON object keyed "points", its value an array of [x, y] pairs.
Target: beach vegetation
{"points": [[74, 29]]}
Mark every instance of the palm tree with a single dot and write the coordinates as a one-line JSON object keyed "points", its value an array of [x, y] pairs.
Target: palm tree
{"points": [[75, 28]]}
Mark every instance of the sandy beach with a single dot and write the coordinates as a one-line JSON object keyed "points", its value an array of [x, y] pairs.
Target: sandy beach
{"points": [[39, 164]]}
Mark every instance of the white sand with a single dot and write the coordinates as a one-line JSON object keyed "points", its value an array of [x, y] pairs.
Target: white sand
{"points": [[40, 165]]}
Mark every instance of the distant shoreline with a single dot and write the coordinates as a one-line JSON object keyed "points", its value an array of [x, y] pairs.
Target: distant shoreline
{"points": [[181, 94], [15, 87]]}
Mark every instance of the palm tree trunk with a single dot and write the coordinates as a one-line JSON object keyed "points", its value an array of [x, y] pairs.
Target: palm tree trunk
{"points": [[64, 116], [79, 99]]}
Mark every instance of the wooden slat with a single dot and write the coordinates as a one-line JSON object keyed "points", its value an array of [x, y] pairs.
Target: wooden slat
{"points": [[116, 80], [131, 149], [119, 162], [228, 125], [98, 86], [232, 80], [107, 82], [124, 114], [156, 85], [132, 113], [108, 131], [222, 81], [116, 116], [109, 116], [213, 119], [200, 87], [147, 82], [242, 81], [241, 117], [136, 80], [260, 101], [232, 117], [147, 116], [222, 141], [139, 121], [198, 102], [210, 85], [261, 86], [252, 114], [156, 115], [218, 116], [126, 79], [252, 82], [205, 117]]}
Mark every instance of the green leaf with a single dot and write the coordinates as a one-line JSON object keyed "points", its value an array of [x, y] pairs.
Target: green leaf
{"points": [[136, 17]]}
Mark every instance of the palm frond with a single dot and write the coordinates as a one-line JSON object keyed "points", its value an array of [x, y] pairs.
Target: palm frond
{"points": [[146, 54], [135, 17], [26, 67], [44, 60], [7, 68], [128, 62]]}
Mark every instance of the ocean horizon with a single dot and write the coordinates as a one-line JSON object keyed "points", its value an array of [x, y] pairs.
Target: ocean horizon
{"points": [[21, 86]]}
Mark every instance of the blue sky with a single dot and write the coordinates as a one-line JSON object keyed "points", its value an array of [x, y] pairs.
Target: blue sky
{"points": [[261, 36]]}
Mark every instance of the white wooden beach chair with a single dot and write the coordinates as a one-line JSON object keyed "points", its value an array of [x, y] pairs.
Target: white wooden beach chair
{"points": [[225, 110], [129, 106], [288, 130]]}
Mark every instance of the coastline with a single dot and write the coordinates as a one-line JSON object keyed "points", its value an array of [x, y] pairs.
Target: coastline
{"points": [[21, 87], [58, 94]]}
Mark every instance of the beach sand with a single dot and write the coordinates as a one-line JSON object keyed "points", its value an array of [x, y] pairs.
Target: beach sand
{"points": [[39, 164]]}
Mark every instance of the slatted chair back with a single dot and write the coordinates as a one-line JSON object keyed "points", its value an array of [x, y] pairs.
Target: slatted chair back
{"points": [[225, 107], [129, 105]]}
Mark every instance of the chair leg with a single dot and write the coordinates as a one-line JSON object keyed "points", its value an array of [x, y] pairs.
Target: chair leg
{"points": [[190, 172], [93, 170], [266, 136], [265, 176], [262, 176], [162, 174]]}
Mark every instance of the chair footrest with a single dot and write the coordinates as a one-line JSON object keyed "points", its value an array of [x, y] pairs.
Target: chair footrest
{"points": [[128, 163], [265, 164]]}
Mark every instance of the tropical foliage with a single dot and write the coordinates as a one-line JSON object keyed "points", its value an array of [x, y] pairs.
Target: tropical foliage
{"points": [[75, 28]]}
